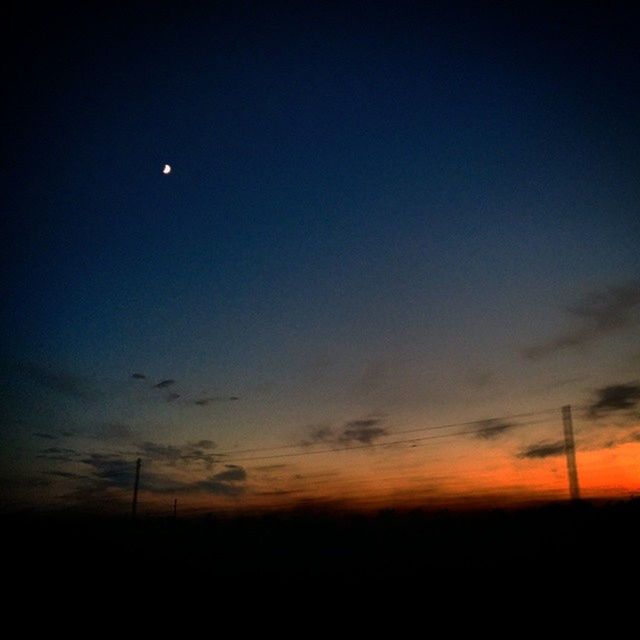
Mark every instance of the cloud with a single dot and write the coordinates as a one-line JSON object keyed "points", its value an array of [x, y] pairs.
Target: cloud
{"points": [[202, 402], [492, 429], [67, 474], [109, 471], [230, 482], [616, 442], [58, 450], [599, 314], [114, 431], [319, 433], [363, 431], [58, 457], [232, 474], [191, 455], [220, 488], [164, 384], [616, 397], [164, 452], [203, 444], [543, 450], [225, 483], [161, 483], [173, 396], [278, 492], [61, 382], [44, 436], [186, 454], [113, 470]]}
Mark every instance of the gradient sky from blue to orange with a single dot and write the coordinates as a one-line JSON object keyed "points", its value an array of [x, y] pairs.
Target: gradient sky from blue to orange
{"points": [[376, 211]]}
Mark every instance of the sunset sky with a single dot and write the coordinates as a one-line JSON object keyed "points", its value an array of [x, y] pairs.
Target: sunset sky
{"points": [[382, 218]]}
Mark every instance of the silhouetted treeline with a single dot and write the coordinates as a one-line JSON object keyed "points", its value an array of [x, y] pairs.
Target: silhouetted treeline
{"points": [[444, 552]]}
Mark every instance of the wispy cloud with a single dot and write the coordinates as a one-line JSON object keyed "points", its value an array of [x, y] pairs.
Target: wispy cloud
{"points": [[615, 398], [187, 399], [44, 436], [272, 467], [362, 431], [232, 473], [599, 314], [203, 444], [625, 439], [59, 457], [203, 402], [278, 492], [163, 384], [58, 450], [492, 429], [113, 469], [317, 434], [69, 475], [117, 471], [190, 453], [220, 488], [543, 450], [230, 482], [109, 471], [162, 452]]}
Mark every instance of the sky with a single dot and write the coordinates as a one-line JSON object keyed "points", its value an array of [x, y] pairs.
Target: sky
{"points": [[382, 218]]}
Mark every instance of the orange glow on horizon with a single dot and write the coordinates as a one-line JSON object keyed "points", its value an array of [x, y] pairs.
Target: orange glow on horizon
{"points": [[415, 482]]}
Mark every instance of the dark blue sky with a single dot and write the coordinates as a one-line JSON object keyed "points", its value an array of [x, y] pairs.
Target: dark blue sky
{"points": [[371, 204]]}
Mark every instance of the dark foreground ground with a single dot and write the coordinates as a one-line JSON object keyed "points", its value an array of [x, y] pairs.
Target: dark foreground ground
{"points": [[558, 551]]}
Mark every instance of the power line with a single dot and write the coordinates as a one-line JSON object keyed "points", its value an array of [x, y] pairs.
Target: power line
{"points": [[486, 421], [451, 425], [359, 447]]}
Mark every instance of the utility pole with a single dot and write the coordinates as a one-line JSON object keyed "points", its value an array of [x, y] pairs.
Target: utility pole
{"points": [[175, 508], [134, 506], [570, 452]]}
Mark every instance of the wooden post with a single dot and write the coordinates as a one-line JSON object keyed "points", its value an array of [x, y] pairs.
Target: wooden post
{"points": [[570, 452], [134, 506]]}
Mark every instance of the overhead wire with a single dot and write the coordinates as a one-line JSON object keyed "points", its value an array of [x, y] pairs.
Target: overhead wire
{"points": [[450, 425], [374, 445]]}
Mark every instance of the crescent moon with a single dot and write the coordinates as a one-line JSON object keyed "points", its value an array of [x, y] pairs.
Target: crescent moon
{"points": [[167, 169]]}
